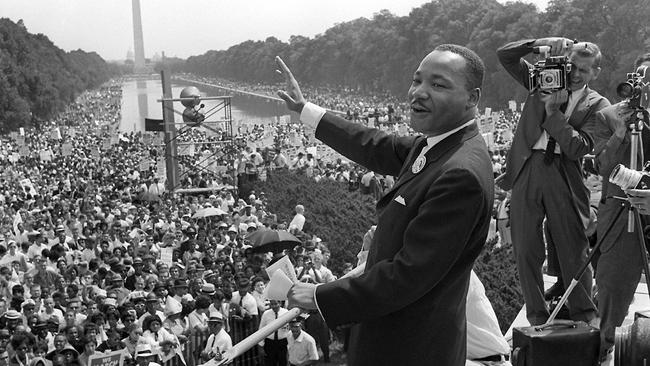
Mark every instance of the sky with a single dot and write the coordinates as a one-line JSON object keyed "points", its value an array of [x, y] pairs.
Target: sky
{"points": [[187, 28]]}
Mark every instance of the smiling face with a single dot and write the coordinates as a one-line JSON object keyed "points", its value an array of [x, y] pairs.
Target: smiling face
{"points": [[583, 71], [439, 96]]}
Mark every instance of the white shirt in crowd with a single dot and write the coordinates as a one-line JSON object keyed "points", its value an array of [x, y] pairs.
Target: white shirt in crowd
{"points": [[220, 342], [301, 349], [269, 316], [298, 222], [248, 302]]}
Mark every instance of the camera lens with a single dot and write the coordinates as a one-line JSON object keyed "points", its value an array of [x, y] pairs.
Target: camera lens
{"points": [[548, 79], [625, 90]]}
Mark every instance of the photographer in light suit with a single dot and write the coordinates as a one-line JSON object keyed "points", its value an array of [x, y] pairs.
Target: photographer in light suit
{"points": [[544, 171], [619, 264]]}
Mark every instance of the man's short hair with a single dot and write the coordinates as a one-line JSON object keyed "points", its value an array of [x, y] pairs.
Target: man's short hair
{"points": [[474, 67], [588, 50], [641, 59]]}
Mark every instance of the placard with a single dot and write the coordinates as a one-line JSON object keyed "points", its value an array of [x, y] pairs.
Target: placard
{"points": [[186, 150], [167, 255], [45, 155], [55, 134], [66, 149], [24, 151], [512, 105], [144, 165], [115, 358], [161, 169]]}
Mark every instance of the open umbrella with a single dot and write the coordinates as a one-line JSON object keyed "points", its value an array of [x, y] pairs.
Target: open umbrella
{"points": [[207, 212], [267, 240]]}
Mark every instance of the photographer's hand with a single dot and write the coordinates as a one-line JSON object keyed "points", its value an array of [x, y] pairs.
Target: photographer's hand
{"points": [[553, 101], [639, 199], [560, 46], [292, 96], [620, 125]]}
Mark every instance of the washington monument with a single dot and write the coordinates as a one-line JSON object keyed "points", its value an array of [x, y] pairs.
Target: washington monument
{"points": [[138, 42]]}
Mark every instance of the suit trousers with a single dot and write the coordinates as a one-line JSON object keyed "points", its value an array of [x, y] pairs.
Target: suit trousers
{"points": [[618, 273], [542, 191], [275, 352]]}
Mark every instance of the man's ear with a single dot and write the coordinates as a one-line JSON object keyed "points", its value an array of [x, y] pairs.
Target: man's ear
{"points": [[474, 98]]}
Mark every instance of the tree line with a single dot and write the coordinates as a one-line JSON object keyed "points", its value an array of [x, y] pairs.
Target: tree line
{"points": [[379, 54], [38, 79]]}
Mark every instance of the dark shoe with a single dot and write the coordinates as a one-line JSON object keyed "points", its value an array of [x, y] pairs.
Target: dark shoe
{"points": [[557, 290]]}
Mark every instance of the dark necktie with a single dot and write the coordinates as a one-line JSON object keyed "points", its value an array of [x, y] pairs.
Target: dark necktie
{"points": [[275, 335], [549, 154]]}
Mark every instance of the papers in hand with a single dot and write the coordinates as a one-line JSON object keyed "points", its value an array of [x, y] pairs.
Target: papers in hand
{"points": [[278, 287], [283, 276], [285, 265]]}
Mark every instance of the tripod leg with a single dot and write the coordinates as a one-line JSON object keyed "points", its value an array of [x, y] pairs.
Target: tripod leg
{"points": [[576, 279], [642, 248]]}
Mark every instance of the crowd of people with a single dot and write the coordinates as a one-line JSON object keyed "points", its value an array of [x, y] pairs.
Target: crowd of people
{"points": [[96, 255]]}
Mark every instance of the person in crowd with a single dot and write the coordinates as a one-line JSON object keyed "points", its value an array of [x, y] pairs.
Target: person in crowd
{"points": [[301, 347], [219, 340], [619, 264], [544, 172], [275, 344], [444, 177], [89, 347], [168, 354], [144, 355], [244, 300], [298, 221]]}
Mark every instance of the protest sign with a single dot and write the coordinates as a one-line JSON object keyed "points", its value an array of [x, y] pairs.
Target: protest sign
{"points": [[144, 165], [24, 151], [45, 155], [512, 105], [488, 111], [115, 358], [66, 149], [161, 169], [166, 255], [186, 150]]}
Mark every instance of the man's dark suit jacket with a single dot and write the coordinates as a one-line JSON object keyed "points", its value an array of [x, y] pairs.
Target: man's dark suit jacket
{"points": [[574, 138], [610, 151], [410, 302]]}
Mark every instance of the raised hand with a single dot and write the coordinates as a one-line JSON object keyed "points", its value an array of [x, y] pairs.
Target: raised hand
{"points": [[292, 96]]}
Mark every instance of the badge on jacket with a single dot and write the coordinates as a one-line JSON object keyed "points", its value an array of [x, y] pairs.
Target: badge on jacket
{"points": [[418, 164]]}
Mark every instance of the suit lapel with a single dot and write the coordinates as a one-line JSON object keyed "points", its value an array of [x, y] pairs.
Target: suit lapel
{"points": [[581, 110], [432, 156]]}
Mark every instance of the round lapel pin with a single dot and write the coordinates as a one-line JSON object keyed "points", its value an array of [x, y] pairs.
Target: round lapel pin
{"points": [[418, 164]]}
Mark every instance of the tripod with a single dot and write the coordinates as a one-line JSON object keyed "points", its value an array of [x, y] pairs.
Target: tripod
{"points": [[635, 128]]}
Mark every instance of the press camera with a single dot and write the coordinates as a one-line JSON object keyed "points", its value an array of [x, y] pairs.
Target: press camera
{"points": [[636, 89], [549, 74]]}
